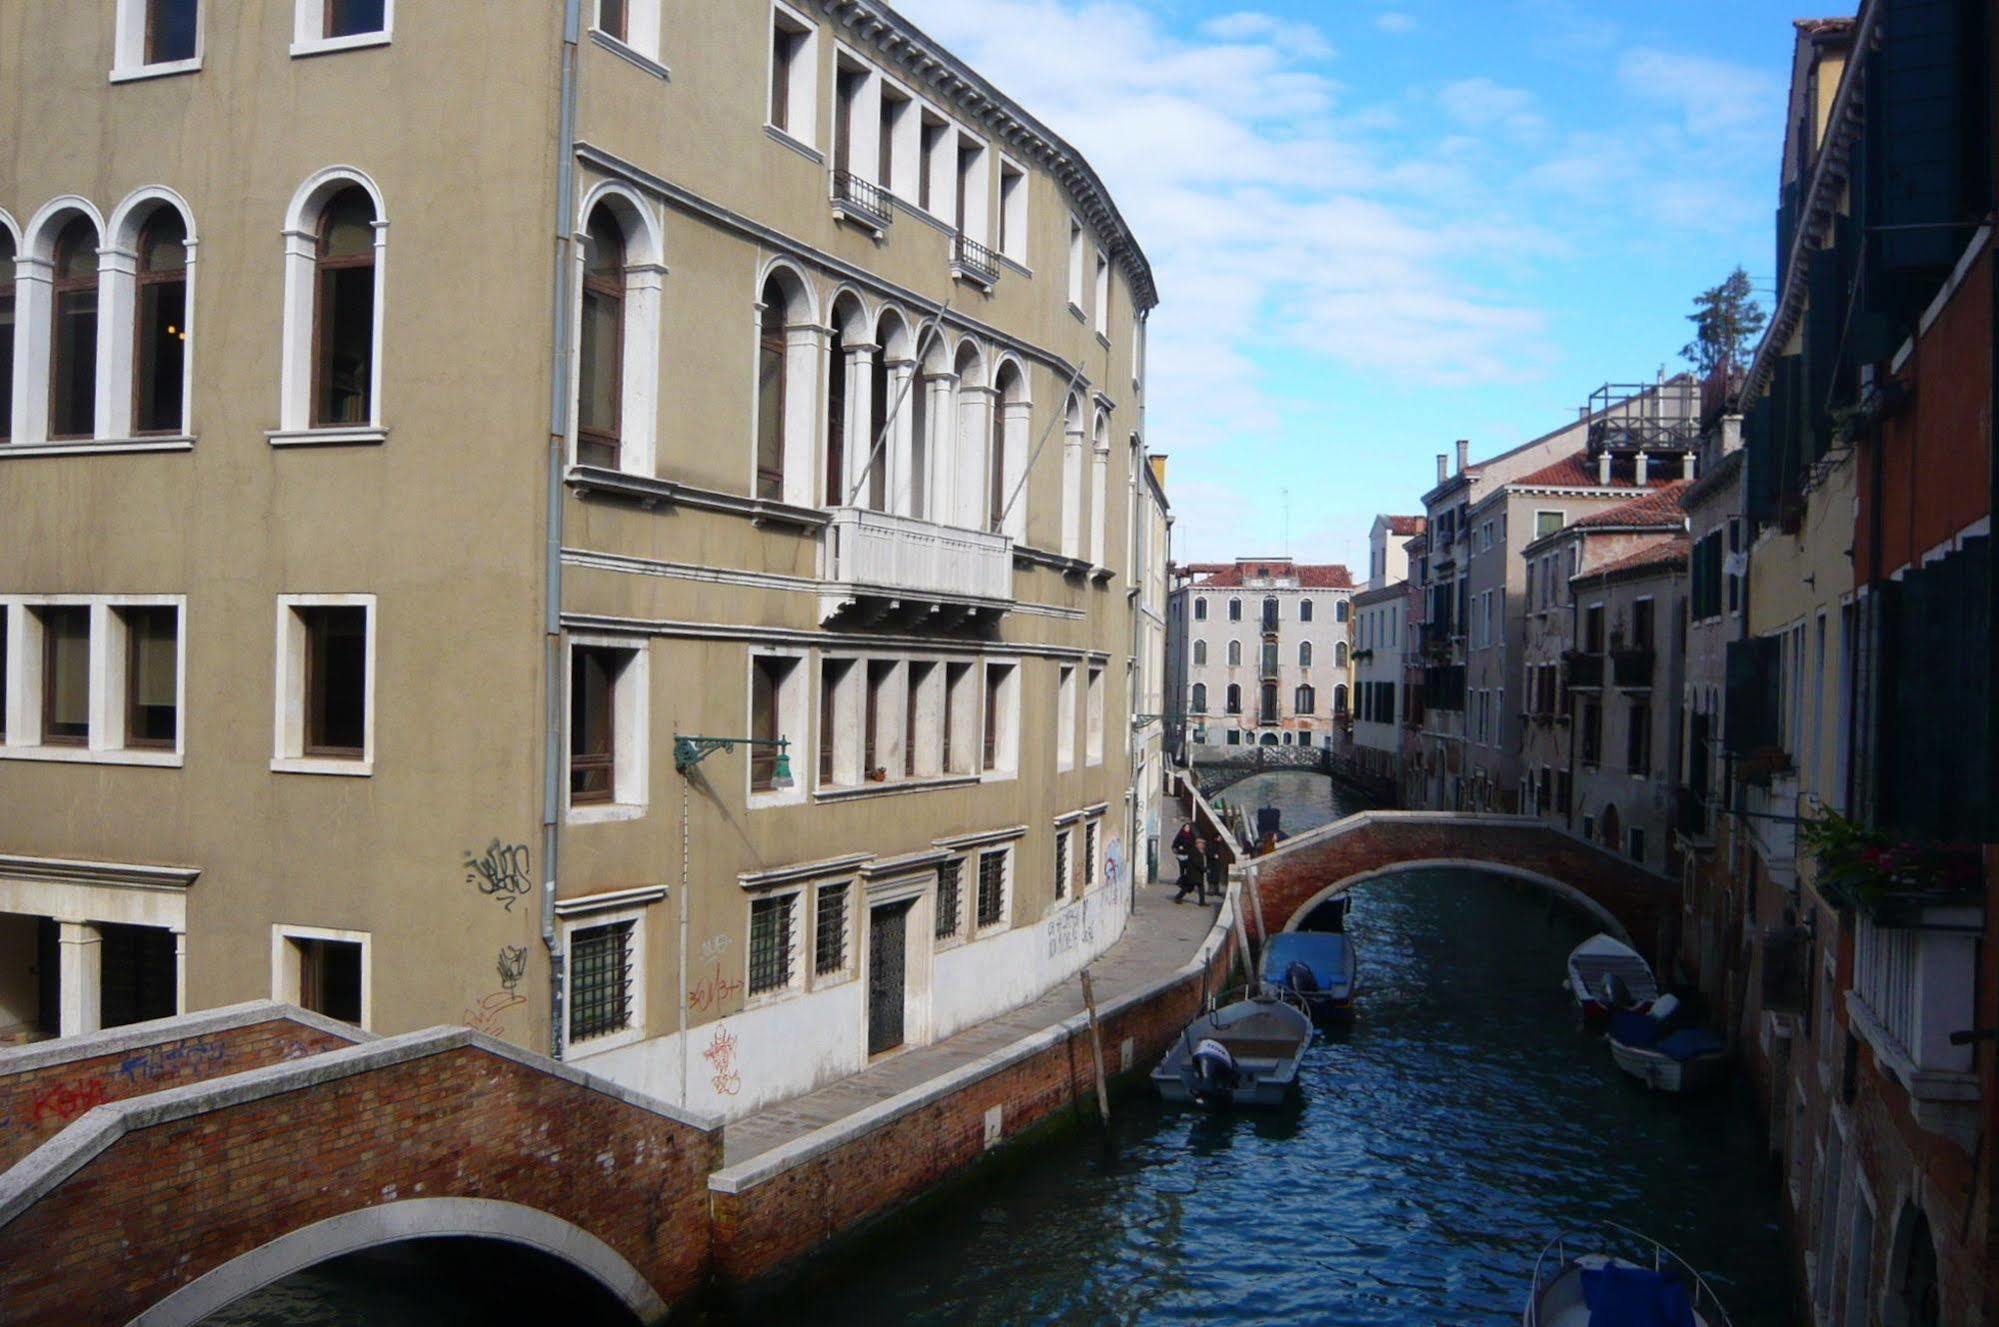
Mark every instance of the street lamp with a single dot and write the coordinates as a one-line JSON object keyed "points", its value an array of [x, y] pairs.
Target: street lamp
{"points": [[691, 751]]}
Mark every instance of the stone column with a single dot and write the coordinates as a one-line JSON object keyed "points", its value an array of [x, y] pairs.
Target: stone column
{"points": [[860, 424], [180, 971], [902, 473], [973, 460], [81, 955], [941, 418]]}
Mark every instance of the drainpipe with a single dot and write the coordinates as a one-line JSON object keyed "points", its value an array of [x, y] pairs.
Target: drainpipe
{"points": [[558, 445]]}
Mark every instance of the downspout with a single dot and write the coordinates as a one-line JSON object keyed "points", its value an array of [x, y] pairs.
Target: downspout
{"points": [[558, 446]]}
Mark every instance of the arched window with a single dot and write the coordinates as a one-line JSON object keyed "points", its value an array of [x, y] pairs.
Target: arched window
{"points": [[1200, 610], [73, 333], [1270, 658], [772, 381], [1340, 699], [1339, 654], [159, 325], [1235, 654], [1200, 701], [1234, 699], [6, 334], [343, 341], [1007, 413], [1270, 613], [1304, 654], [1916, 1285], [1304, 610], [881, 393], [836, 420], [1287, 737], [1306, 701], [601, 345], [1235, 610], [1340, 610], [1267, 711], [1200, 653]]}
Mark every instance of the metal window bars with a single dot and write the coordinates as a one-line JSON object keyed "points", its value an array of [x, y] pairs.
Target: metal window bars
{"points": [[600, 981]]}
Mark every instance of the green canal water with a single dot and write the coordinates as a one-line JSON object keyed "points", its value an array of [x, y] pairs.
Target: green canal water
{"points": [[1460, 1121]]}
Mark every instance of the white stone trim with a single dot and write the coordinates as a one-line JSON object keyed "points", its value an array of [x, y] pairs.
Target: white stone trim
{"points": [[589, 904], [301, 240], [288, 720], [309, 27], [631, 729], [794, 721], [285, 963], [645, 277], [635, 1029], [21, 701]]}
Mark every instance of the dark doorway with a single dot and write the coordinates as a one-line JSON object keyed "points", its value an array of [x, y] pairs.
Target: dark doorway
{"points": [[48, 977], [136, 974], [888, 969]]}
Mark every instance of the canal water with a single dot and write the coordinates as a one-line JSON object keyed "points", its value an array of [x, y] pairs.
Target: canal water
{"points": [[1440, 1140]]}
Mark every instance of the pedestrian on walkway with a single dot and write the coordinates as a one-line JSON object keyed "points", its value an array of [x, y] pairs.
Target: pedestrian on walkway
{"points": [[1193, 869], [1183, 844], [1218, 873]]}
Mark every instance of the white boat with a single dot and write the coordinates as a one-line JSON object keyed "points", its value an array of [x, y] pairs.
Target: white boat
{"points": [[1242, 1054], [1663, 1054], [1606, 974], [1618, 1275]]}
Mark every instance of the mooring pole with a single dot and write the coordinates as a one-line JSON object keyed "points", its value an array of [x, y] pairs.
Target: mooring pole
{"points": [[1096, 1049]]}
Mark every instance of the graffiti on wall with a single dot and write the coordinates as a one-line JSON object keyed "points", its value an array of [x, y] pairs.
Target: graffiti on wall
{"points": [[726, 1079], [713, 990], [512, 965], [488, 1013], [502, 871], [68, 1099], [1071, 929], [150, 1066]]}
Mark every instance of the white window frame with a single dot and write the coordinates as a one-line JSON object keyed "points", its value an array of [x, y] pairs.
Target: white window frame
{"points": [[639, 334], [968, 900], [800, 952], [793, 721], [1062, 882], [802, 106], [578, 917], [128, 44], [642, 34], [288, 720], [1077, 249], [1093, 726], [1008, 875], [301, 286], [21, 704], [631, 728], [851, 968], [1100, 297], [1014, 209], [117, 366], [285, 974], [1006, 755], [309, 29], [1065, 717]]}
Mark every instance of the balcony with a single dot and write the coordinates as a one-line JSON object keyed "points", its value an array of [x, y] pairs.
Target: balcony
{"points": [[1585, 670], [862, 202], [1911, 990], [974, 262], [1632, 668], [881, 568]]}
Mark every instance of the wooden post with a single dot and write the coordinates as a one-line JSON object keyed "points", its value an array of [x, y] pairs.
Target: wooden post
{"points": [[1096, 1049]]}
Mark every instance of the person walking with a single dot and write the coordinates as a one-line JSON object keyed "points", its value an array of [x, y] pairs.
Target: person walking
{"points": [[1193, 869], [1183, 844], [1218, 873]]}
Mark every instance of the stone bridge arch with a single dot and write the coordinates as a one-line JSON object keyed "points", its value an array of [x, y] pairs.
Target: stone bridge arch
{"points": [[1632, 902], [399, 1222]]}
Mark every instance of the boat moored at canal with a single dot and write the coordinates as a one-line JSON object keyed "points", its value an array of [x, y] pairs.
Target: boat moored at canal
{"points": [[1607, 974], [1616, 1275], [1241, 1054], [1319, 968], [1664, 1052]]}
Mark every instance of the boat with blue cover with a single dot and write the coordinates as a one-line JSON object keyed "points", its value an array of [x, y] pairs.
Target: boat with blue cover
{"points": [[1664, 1051], [1319, 967], [1616, 1277]]}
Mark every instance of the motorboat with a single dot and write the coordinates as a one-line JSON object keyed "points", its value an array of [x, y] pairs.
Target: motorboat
{"points": [[1318, 967], [1663, 1051], [1241, 1054], [1606, 974], [1616, 1275]]}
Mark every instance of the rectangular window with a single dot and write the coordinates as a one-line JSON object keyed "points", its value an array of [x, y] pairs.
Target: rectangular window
{"points": [[771, 957], [1593, 629], [894, 105], [790, 74], [6, 627], [1094, 726], [1100, 308], [912, 696], [171, 26], [353, 18], [829, 933], [65, 676], [1638, 739], [611, 19], [960, 701], [600, 981], [1013, 212], [1641, 625], [833, 674], [1065, 717], [1636, 836], [770, 679], [335, 691], [876, 708], [1075, 265], [329, 977], [992, 888], [1062, 863], [1090, 855], [593, 682], [950, 898], [1592, 733], [1546, 523], [152, 676], [1002, 719], [930, 142]]}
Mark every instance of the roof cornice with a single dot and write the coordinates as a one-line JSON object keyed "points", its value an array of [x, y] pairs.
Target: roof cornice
{"points": [[928, 64]]}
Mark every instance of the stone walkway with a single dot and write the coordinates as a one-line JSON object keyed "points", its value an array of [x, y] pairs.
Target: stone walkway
{"points": [[1158, 940]]}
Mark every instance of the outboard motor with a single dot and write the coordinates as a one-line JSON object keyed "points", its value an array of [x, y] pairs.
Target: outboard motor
{"points": [[1215, 1072], [1299, 977], [1616, 994]]}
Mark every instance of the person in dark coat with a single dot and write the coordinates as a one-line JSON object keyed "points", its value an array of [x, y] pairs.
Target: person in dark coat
{"points": [[1218, 873], [1193, 869]]}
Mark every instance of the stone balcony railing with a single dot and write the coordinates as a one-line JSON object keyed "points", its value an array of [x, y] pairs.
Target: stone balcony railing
{"points": [[876, 564]]}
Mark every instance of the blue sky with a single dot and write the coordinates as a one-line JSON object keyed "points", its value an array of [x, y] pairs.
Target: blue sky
{"points": [[1381, 225]]}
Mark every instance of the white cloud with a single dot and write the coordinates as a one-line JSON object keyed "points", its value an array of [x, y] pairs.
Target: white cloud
{"points": [[1395, 22], [1300, 40], [1716, 99], [1481, 103]]}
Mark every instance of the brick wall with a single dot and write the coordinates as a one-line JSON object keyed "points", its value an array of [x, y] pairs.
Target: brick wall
{"points": [[771, 1225], [194, 1193], [36, 1103]]}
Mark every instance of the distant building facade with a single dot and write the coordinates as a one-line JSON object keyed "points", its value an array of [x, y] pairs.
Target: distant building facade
{"points": [[1266, 645]]}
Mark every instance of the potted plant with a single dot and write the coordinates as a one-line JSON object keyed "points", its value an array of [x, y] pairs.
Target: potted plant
{"points": [[1888, 880]]}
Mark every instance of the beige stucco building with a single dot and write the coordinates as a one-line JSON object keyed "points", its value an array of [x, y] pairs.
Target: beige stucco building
{"points": [[420, 417]]}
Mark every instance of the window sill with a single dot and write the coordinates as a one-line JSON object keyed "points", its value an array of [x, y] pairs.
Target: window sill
{"points": [[1017, 265], [327, 437], [794, 796], [1076, 312], [165, 69], [578, 1052], [859, 792], [798, 145], [998, 776], [353, 769], [107, 446], [81, 755], [1104, 340], [329, 45], [600, 813], [631, 55], [778, 995]]}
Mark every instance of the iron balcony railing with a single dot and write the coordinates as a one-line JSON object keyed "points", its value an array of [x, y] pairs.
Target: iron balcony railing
{"points": [[1633, 667], [1585, 670], [973, 259], [868, 200]]}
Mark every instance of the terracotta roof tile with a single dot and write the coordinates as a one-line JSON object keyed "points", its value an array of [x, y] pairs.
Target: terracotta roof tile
{"points": [[1660, 507], [1311, 576], [1579, 471], [1665, 553], [1406, 525]]}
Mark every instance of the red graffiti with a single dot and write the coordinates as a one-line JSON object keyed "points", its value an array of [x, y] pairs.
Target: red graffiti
{"points": [[712, 990], [721, 1057], [65, 1101], [486, 1016]]}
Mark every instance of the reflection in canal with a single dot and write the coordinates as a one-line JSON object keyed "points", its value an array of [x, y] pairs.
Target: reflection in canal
{"points": [[1458, 1123]]}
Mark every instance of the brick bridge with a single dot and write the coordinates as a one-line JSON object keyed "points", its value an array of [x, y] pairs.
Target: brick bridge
{"points": [[159, 1172], [1333, 859], [1216, 770]]}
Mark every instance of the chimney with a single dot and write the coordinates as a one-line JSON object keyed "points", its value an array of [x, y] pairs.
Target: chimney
{"points": [[1443, 467], [1686, 465], [1603, 468], [1464, 454], [1638, 470]]}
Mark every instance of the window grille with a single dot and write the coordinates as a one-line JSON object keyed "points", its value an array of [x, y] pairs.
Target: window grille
{"points": [[950, 887], [770, 944], [1062, 864], [600, 981], [992, 887], [1090, 854], [829, 946]]}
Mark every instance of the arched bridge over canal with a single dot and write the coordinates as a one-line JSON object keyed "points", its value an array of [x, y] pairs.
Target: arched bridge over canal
{"points": [[1328, 862], [162, 1171], [1217, 769]]}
